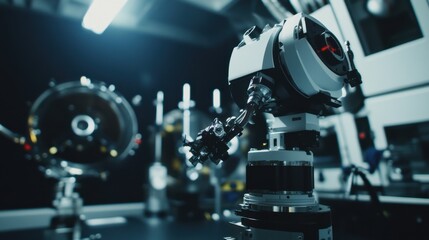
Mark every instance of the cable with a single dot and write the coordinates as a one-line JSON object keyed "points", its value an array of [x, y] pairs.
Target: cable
{"points": [[16, 138]]}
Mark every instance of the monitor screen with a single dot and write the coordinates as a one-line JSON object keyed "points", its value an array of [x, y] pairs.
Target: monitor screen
{"points": [[409, 147], [327, 155], [380, 30]]}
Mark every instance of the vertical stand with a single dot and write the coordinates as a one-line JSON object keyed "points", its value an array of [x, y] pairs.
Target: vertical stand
{"points": [[216, 171], [67, 222], [187, 199], [279, 203], [157, 203]]}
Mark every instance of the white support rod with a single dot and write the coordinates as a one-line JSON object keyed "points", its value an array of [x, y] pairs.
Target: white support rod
{"points": [[216, 99], [186, 112], [159, 121]]}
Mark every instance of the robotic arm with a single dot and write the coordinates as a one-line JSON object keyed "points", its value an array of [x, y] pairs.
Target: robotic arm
{"points": [[294, 71], [212, 141], [295, 66]]}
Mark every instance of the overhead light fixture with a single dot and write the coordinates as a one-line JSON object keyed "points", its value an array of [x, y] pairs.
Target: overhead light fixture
{"points": [[101, 13]]}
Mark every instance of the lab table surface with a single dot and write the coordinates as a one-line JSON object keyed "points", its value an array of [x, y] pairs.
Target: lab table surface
{"points": [[133, 228]]}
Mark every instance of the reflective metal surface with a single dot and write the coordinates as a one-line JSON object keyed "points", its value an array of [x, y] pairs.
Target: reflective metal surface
{"points": [[75, 128]]}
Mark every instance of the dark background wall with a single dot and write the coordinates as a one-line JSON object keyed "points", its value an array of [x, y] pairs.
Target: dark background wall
{"points": [[36, 48]]}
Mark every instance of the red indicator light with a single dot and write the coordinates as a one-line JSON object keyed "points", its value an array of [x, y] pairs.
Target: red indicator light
{"points": [[27, 147], [362, 135], [138, 141], [331, 49]]}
